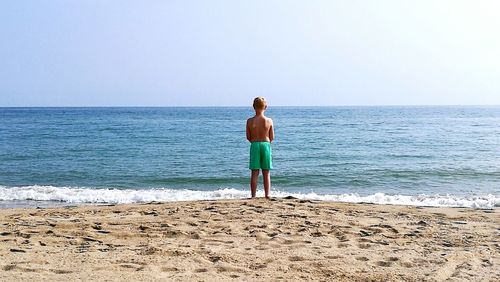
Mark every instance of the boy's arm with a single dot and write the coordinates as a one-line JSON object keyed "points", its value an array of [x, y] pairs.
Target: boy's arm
{"points": [[248, 130], [271, 131]]}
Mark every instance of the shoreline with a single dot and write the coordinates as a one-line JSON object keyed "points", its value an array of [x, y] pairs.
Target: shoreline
{"points": [[34, 204], [279, 239], [46, 196]]}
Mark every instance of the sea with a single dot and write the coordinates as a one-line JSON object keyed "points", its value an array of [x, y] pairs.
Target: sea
{"points": [[446, 156]]}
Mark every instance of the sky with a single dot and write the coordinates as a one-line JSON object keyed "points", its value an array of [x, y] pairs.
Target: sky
{"points": [[224, 53]]}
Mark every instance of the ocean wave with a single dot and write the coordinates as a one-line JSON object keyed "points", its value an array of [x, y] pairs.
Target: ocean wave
{"points": [[77, 195]]}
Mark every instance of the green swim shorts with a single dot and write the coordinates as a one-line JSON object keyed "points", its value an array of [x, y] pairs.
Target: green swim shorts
{"points": [[260, 156]]}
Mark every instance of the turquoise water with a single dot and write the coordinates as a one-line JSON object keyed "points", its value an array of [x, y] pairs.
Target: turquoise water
{"points": [[425, 152]]}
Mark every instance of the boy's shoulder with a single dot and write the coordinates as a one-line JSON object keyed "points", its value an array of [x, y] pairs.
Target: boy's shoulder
{"points": [[268, 119]]}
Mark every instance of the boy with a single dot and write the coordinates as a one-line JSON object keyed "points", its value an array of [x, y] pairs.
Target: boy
{"points": [[260, 132]]}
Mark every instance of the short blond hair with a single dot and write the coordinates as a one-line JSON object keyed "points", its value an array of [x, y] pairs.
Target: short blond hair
{"points": [[259, 103]]}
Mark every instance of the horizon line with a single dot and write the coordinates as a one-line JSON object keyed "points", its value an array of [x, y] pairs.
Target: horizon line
{"points": [[277, 106]]}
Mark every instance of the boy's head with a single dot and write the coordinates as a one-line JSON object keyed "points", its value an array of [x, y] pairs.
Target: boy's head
{"points": [[259, 103]]}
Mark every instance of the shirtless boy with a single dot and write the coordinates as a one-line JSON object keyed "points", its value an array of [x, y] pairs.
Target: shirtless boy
{"points": [[260, 133]]}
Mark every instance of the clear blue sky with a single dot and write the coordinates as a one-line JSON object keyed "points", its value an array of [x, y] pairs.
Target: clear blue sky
{"points": [[224, 53]]}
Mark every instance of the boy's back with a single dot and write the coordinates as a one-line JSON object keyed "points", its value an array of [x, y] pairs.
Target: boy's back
{"points": [[260, 129]]}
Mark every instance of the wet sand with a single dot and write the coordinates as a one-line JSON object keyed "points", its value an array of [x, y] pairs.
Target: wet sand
{"points": [[250, 240]]}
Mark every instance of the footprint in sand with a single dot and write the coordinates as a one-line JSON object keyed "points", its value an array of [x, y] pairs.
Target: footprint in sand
{"points": [[364, 233], [214, 259], [194, 235], [225, 267], [26, 269], [260, 236], [333, 257], [153, 213], [104, 250], [61, 271], [169, 269], [290, 242], [364, 246], [147, 250], [296, 258], [134, 267], [90, 239], [173, 233], [258, 266], [342, 245], [9, 267], [384, 263], [82, 248], [261, 248], [393, 259], [407, 264], [272, 234], [389, 227], [362, 258], [342, 238], [316, 234]]}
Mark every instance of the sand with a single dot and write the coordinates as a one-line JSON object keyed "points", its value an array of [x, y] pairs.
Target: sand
{"points": [[250, 240]]}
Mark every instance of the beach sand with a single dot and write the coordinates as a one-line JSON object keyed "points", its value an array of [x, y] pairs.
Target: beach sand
{"points": [[256, 240]]}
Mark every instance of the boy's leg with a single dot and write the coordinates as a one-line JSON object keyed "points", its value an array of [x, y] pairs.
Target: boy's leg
{"points": [[253, 182], [266, 174]]}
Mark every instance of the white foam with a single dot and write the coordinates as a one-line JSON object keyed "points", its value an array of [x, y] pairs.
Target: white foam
{"points": [[480, 202], [121, 196], [114, 196]]}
